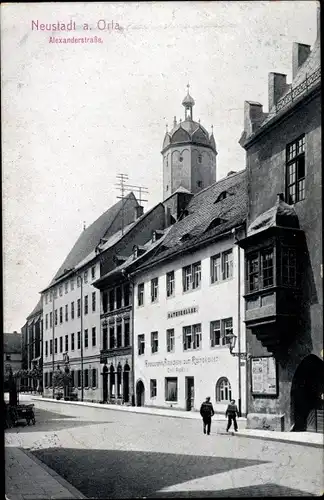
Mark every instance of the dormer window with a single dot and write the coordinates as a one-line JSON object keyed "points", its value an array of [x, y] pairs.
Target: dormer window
{"points": [[153, 236], [135, 252], [185, 237], [221, 197], [199, 184], [215, 222]]}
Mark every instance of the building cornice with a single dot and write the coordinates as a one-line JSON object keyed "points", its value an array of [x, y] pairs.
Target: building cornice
{"points": [[188, 143]]}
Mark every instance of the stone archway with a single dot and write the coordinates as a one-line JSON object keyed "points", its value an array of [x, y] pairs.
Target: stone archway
{"points": [[307, 390], [140, 393]]}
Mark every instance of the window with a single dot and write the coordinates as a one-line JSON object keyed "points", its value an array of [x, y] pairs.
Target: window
{"points": [[50, 379], [223, 391], [72, 283], [119, 334], [86, 276], [288, 266], [66, 312], [46, 299], [140, 294], [199, 184], [51, 320], [219, 330], [46, 321], [73, 378], [55, 317], [61, 314], [105, 302], [126, 295], [153, 387], [191, 276], [111, 336], [72, 310], [118, 297], [93, 301], [79, 340], [86, 338], [295, 171], [111, 300], [86, 305], [51, 296], [171, 389], [79, 378], [199, 158], [227, 264], [170, 284], [94, 336], [94, 377], [170, 340], [86, 378], [51, 346], [55, 293], [260, 270], [66, 343], [141, 344], [154, 342], [66, 286], [267, 268], [46, 380], [192, 337], [79, 307], [104, 337], [154, 289], [126, 333], [61, 344], [46, 348], [61, 290], [215, 268], [78, 281], [55, 346], [72, 341], [93, 272]]}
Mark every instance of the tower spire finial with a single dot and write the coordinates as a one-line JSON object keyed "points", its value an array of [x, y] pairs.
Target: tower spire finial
{"points": [[188, 87]]}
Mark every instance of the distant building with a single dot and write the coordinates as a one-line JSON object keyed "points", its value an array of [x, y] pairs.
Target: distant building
{"points": [[12, 351], [283, 250], [189, 154], [187, 302], [32, 340]]}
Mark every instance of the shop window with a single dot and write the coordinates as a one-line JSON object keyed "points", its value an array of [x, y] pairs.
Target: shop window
{"points": [[171, 389], [153, 388], [223, 391], [295, 171]]}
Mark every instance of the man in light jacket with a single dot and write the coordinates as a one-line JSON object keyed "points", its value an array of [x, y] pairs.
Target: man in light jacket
{"points": [[207, 411], [231, 413]]}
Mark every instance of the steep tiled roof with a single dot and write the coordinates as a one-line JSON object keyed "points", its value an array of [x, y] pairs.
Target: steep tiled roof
{"points": [[12, 343], [37, 309], [203, 210], [91, 236]]}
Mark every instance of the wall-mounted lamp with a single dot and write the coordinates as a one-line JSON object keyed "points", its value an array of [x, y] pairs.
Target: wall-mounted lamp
{"points": [[231, 344]]}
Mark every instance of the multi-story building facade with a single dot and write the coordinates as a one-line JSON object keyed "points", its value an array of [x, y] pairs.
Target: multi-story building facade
{"points": [[32, 348], [71, 304], [283, 250], [187, 303]]}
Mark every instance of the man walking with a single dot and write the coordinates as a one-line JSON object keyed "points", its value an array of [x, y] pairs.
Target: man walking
{"points": [[207, 411], [231, 413]]}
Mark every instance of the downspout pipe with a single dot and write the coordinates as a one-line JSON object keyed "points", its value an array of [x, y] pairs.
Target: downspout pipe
{"points": [[53, 337]]}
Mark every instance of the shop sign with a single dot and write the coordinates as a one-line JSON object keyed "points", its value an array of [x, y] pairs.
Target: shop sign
{"points": [[178, 363], [264, 376], [183, 312]]}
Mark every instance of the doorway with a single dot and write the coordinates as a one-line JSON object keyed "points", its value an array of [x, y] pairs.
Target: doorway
{"points": [[105, 384], [307, 390], [140, 393], [126, 383], [190, 393]]}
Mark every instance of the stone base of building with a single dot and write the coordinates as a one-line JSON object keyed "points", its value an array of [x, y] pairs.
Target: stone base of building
{"points": [[266, 421]]}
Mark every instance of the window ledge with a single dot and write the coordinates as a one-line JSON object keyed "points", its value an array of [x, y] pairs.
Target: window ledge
{"points": [[221, 281]]}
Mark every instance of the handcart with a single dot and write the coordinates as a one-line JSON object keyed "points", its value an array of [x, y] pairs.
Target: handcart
{"points": [[22, 412]]}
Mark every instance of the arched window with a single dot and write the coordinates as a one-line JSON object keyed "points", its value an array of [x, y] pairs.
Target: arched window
{"points": [[223, 391], [119, 380], [112, 381]]}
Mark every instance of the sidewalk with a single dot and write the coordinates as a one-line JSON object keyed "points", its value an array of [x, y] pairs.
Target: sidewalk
{"points": [[303, 438], [29, 479]]}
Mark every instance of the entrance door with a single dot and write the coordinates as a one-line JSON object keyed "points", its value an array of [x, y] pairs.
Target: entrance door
{"points": [[126, 387], [190, 393], [140, 393], [105, 385]]}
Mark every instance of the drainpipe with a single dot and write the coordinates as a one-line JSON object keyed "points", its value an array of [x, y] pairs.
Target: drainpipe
{"points": [[128, 277], [239, 329], [81, 334]]}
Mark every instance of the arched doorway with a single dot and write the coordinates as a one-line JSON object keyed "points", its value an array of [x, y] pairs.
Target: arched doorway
{"points": [[140, 393], [307, 390], [111, 381], [105, 384], [126, 383]]}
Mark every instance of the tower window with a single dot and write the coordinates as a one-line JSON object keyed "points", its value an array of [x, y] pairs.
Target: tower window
{"points": [[199, 184], [181, 159], [199, 159], [167, 188]]}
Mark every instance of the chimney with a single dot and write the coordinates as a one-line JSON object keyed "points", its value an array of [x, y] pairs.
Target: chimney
{"points": [[139, 210], [300, 53], [253, 116], [277, 86]]}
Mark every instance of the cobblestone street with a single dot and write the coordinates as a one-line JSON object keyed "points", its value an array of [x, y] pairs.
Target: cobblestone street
{"points": [[115, 454]]}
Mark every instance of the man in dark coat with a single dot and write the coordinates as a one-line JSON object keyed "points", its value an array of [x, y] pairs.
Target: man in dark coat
{"points": [[207, 411], [231, 413]]}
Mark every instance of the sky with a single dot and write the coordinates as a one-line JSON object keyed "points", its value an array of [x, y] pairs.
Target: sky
{"points": [[74, 116]]}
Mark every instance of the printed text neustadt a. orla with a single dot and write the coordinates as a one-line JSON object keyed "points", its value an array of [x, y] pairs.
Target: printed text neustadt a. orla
{"points": [[101, 25]]}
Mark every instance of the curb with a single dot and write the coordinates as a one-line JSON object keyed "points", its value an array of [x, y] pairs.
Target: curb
{"points": [[279, 440], [161, 413], [76, 493]]}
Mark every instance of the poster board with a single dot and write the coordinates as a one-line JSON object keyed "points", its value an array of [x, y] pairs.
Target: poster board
{"points": [[264, 376]]}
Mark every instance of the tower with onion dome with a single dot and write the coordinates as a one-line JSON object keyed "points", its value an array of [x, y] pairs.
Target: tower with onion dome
{"points": [[189, 154]]}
